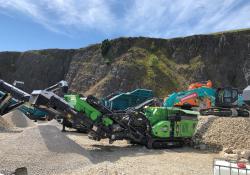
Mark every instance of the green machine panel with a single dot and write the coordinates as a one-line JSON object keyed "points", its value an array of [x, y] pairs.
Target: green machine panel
{"points": [[82, 106], [161, 129]]}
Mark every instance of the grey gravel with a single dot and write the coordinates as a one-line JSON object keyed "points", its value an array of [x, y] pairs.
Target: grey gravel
{"points": [[17, 119], [14, 121], [121, 158], [223, 132], [4, 126], [43, 150]]}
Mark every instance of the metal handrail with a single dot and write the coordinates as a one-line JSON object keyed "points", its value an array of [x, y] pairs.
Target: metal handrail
{"points": [[240, 170]]}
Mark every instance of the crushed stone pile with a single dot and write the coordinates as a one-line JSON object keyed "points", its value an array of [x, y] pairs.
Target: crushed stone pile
{"points": [[4, 125], [42, 149], [222, 132], [15, 119]]}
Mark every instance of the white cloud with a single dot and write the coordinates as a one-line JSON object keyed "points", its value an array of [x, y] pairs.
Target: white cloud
{"points": [[158, 18], [236, 19], [147, 16], [167, 18], [90, 13], [58, 15]]}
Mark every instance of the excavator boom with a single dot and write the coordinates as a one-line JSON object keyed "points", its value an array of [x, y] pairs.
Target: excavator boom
{"points": [[199, 97]]}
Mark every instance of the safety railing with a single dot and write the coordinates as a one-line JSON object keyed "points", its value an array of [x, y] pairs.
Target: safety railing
{"points": [[223, 167]]}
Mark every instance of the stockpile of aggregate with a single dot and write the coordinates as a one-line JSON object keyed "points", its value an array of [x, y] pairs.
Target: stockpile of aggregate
{"points": [[18, 119], [4, 125], [42, 149], [223, 132], [15, 121]]}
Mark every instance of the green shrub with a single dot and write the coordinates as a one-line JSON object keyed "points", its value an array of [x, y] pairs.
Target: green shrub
{"points": [[105, 47]]}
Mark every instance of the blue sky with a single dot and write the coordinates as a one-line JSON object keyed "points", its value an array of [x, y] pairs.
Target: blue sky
{"points": [[40, 24]]}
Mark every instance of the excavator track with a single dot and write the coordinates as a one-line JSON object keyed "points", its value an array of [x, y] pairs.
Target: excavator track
{"points": [[225, 112]]}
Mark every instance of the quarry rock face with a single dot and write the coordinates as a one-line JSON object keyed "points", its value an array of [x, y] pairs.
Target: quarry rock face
{"points": [[163, 65], [38, 69]]}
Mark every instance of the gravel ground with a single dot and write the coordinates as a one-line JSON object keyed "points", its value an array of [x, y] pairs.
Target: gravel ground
{"points": [[44, 149], [122, 158]]}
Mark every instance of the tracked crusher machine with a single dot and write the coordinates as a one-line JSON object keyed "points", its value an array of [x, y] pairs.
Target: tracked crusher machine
{"points": [[154, 127]]}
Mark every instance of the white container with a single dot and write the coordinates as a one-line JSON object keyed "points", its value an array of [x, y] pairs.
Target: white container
{"points": [[223, 167]]}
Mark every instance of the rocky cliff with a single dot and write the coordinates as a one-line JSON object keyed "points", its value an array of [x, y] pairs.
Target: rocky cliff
{"points": [[163, 65]]}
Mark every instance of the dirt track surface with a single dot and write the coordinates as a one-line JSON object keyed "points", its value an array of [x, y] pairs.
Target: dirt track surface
{"points": [[44, 149]]}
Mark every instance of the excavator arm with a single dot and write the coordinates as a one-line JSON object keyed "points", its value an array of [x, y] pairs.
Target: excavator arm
{"points": [[199, 97]]}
